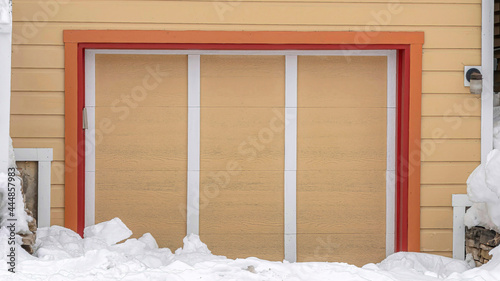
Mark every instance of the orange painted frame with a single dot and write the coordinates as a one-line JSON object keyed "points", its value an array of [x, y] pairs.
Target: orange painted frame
{"points": [[73, 61]]}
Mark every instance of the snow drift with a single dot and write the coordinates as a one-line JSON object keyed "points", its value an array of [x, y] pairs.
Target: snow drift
{"points": [[483, 186], [5, 8], [61, 254], [20, 214]]}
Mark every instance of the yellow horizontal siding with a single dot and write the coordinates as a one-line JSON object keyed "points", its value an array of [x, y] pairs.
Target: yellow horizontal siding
{"points": [[258, 13], [57, 216], [451, 105], [436, 217], [451, 116], [446, 172], [436, 240], [448, 254], [37, 126], [35, 103], [449, 60], [443, 82], [440, 195], [57, 145], [25, 56], [57, 172], [51, 33], [47, 80], [57, 196], [450, 150], [451, 127]]}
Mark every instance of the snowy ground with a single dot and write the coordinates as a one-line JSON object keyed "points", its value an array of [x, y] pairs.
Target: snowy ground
{"points": [[62, 255]]}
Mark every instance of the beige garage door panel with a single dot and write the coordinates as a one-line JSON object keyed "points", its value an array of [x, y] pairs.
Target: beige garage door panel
{"points": [[141, 162], [155, 211], [165, 79], [358, 249], [242, 135], [237, 96], [341, 152], [150, 138], [341, 180], [243, 81], [157, 180], [349, 212], [249, 200], [342, 81], [256, 245], [341, 138]]}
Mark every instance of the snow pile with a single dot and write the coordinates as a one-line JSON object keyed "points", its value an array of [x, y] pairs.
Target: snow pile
{"points": [[5, 11], [483, 187], [18, 203], [61, 254], [425, 264], [111, 232]]}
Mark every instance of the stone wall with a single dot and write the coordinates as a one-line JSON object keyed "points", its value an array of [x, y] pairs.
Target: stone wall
{"points": [[479, 241], [29, 175], [29, 181]]}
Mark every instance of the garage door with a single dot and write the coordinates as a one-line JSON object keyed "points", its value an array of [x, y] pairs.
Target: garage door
{"points": [[292, 152]]}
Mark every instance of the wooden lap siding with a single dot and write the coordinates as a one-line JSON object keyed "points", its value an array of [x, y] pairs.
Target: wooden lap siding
{"points": [[450, 116]]}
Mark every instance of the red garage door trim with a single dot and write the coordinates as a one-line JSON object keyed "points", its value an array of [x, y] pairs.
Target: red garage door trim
{"points": [[408, 45]]}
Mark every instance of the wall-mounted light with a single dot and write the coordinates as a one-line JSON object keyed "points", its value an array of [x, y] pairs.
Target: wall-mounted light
{"points": [[474, 77]]}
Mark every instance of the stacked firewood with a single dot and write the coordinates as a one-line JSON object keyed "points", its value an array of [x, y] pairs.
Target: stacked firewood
{"points": [[479, 242]]}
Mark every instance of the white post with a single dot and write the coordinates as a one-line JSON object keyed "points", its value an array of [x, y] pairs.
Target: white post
{"points": [[290, 179], [194, 111], [5, 64], [488, 8], [459, 202]]}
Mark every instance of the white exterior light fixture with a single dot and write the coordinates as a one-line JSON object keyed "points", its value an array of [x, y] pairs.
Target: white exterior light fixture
{"points": [[475, 79]]}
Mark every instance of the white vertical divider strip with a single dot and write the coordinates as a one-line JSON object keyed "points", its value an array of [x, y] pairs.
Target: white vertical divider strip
{"points": [[391, 153], [193, 179], [44, 193], [90, 103], [459, 202], [290, 179], [488, 19]]}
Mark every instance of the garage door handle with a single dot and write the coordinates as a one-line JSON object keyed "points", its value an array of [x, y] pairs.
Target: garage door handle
{"points": [[85, 124]]}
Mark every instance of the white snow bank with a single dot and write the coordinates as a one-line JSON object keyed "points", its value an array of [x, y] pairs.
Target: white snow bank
{"points": [[5, 11], [6, 185], [111, 232], [426, 264], [61, 254], [193, 244], [483, 186]]}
